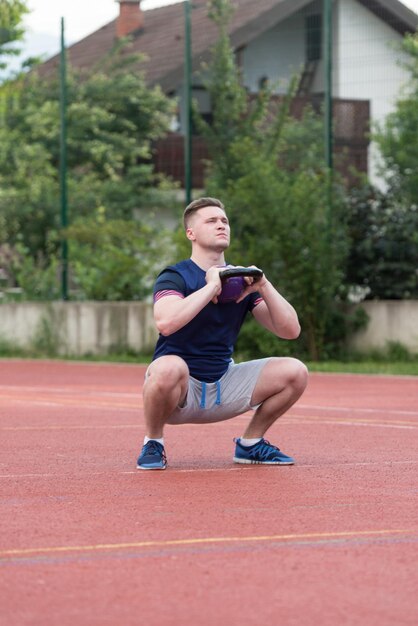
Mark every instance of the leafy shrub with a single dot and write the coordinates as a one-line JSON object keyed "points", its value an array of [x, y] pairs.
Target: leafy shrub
{"points": [[383, 259], [115, 259]]}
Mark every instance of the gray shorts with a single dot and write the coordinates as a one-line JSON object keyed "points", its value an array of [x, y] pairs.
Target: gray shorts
{"points": [[228, 397]]}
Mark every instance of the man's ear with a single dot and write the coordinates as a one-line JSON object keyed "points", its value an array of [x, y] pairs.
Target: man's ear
{"points": [[190, 234]]}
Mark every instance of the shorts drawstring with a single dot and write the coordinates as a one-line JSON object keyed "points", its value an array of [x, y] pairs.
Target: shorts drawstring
{"points": [[218, 392], [203, 396]]}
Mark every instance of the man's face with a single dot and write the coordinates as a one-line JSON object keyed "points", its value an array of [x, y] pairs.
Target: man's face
{"points": [[209, 228]]}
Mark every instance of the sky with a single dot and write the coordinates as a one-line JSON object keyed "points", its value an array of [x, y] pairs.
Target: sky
{"points": [[81, 17]]}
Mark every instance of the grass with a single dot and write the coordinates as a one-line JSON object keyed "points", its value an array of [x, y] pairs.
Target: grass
{"points": [[395, 368], [394, 361]]}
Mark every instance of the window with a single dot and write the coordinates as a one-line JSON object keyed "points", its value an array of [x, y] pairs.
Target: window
{"points": [[313, 34]]}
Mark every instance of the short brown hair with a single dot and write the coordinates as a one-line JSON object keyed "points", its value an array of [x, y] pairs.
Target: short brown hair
{"points": [[200, 203]]}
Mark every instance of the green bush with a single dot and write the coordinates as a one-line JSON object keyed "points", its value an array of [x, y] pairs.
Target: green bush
{"points": [[281, 222], [115, 259], [383, 257], [285, 215]]}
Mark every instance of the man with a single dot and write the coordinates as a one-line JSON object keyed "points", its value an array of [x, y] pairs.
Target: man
{"points": [[192, 378]]}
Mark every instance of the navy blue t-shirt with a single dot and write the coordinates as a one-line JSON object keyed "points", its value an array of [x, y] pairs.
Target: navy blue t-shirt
{"points": [[206, 343]]}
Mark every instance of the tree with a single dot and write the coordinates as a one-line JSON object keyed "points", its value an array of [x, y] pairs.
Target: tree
{"points": [[397, 136], [235, 116], [11, 29], [115, 259], [383, 258], [270, 171], [113, 118]]}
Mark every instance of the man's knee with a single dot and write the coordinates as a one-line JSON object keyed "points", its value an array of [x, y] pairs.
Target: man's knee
{"points": [[279, 374], [290, 372], [167, 372], [297, 373]]}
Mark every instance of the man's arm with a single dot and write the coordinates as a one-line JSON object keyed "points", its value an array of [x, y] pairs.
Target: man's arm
{"points": [[274, 313], [172, 312]]}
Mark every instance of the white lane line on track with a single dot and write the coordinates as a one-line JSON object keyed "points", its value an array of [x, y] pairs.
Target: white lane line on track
{"points": [[299, 466], [74, 404], [135, 395], [356, 421], [316, 407], [311, 420], [294, 412], [242, 468], [69, 390], [76, 427], [291, 420], [318, 419]]}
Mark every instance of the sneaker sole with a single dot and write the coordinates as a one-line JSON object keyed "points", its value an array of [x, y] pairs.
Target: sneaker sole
{"points": [[250, 462], [150, 467]]}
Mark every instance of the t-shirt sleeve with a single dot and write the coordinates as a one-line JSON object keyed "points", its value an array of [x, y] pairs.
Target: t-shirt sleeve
{"points": [[255, 300], [169, 283]]}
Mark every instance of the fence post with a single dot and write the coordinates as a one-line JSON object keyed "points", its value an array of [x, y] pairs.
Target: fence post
{"points": [[327, 21], [187, 104], [63, 165]]}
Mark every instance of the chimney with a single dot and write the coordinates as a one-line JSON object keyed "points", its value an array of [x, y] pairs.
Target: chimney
{"points": [[130, 18]]}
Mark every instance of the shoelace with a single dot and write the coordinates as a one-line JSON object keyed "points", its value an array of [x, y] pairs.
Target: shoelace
{"points": [[154, 448], [265, 448]]}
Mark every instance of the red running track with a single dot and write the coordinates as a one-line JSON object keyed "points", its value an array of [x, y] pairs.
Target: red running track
{"points": [[87, 539]]}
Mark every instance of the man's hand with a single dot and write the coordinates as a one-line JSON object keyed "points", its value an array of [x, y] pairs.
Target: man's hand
{"points": [[213, 278], [252, 285]]}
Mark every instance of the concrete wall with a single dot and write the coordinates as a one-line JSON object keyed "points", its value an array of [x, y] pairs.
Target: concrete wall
{"points": [[390, 320], [79, 328]]}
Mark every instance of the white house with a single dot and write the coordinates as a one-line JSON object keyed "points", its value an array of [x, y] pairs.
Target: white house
{"points": [[274, 39]]}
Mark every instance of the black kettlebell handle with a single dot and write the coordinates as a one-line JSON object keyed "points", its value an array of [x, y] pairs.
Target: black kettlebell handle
{"points": [[253, 272]]}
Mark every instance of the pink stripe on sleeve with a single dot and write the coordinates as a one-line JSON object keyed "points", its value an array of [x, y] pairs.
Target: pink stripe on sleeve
{"points": [[167, 292]]}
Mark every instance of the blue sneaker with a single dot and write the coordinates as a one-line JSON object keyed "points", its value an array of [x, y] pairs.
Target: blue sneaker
{"points": [[261, 453], [152, 457]]}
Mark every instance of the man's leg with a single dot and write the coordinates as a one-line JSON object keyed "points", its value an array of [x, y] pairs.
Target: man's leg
{"points": [[165, 388], [281, 382]]}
